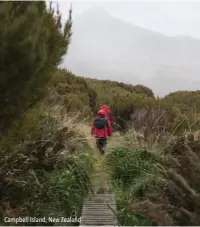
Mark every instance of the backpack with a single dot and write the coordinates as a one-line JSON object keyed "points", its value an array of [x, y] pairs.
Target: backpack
{"points": [[100, 122]]}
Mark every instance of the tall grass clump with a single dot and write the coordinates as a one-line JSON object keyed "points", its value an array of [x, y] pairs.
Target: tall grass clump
{"points": [[45, 168], [161, 188], [176, 200], [130, 163], [132, 171]]}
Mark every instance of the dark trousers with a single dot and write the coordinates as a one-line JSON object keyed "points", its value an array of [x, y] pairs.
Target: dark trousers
{"points": [[101, 141]]}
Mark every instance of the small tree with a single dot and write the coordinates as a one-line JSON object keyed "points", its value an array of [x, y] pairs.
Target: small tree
{"points": [[33, 42]]}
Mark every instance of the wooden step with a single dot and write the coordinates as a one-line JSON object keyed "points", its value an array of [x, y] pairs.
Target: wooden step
{"points": [[99, 207], [98, 210]]}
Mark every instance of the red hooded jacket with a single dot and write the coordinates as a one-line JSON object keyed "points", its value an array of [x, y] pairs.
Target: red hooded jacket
{"points": [[108, 112], [96, 132]]}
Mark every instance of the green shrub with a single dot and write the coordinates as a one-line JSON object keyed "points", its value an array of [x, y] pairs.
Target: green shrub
{"points": [[44, 165], [129, 164], [63, 191], [133, 170], [33, 42]]}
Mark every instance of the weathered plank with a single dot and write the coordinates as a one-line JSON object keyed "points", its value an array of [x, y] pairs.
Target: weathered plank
{"points": [[99, 208]]}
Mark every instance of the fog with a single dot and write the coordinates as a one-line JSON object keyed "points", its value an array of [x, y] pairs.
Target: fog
{"points": [[153, 43]]}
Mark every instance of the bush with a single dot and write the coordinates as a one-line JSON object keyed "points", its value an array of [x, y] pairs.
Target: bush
{"points": [[161, 189], [131, 163], [32, 44], [133, 170], [47, 171]]}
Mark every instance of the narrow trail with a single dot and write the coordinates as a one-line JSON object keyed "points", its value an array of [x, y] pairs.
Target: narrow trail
{"points": [[99, 208]]}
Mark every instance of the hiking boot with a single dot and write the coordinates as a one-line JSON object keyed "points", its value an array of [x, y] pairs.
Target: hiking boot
{"points": [[103, 149]]}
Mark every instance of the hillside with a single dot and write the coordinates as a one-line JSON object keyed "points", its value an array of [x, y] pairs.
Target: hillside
{"points": [[129, 103], [112, 49]]}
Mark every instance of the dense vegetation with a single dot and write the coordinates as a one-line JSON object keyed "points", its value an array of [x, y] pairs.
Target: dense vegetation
{"points": [[32, 45], [45, 163], [128, 102], [157, 186], [42, 171]]}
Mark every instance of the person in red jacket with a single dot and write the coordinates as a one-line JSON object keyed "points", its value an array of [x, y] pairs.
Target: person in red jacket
{"points": [[108, 112], [100, 129]]}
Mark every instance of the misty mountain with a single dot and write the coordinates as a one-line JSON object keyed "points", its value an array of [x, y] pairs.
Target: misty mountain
{"points": [[105, 47]]}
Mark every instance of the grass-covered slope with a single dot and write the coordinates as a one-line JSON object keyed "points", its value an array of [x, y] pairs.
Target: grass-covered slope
{"points": [[128, 102]]}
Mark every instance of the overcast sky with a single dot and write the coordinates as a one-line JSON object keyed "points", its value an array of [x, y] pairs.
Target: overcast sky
{"points": [[168, 17]]}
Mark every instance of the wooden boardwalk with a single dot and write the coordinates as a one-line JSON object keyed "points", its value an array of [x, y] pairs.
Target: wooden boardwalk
{"points": [[99, 207]]}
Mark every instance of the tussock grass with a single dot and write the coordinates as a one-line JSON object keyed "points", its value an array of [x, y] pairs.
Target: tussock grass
{"points": [[129, 163], [154, 131], [133, 170], [45, 171], [157, 182]]}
